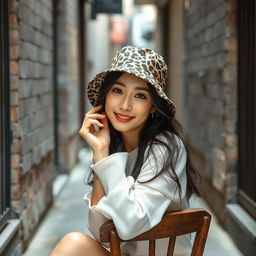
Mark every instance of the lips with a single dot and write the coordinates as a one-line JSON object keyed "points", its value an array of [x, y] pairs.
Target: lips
{"points": [[123, 118]]}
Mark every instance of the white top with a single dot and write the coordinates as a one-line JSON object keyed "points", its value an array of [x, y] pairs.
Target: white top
{"points": [[135, 207]]}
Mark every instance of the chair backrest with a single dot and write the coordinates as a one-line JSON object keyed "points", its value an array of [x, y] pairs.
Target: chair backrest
{"points": [[174, 223]]}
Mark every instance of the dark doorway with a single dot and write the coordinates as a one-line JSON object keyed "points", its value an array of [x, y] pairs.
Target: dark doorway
{"points": [[82, 55], [5, 134], [247, 106], [55, 83]]}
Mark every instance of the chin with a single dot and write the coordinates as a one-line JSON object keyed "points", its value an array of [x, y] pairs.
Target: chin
{"points": [[120, 128]]}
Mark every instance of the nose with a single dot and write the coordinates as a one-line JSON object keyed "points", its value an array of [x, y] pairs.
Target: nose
{"points": [[125, 103]]}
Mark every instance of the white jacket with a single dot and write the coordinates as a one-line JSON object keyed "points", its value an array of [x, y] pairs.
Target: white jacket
{"points": [[135, 207]]}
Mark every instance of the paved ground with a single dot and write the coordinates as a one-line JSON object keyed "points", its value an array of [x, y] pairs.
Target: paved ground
{"points": [[69, 213]]}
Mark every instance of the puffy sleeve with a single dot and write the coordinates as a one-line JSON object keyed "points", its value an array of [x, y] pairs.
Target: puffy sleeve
{"points": [[135, 207]]}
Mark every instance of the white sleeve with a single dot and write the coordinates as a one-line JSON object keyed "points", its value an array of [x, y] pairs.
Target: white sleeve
{"points": [[95, 219], [136, 207]]}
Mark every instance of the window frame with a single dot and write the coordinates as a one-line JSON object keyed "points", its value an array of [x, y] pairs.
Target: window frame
{"points": [[5, 134]]}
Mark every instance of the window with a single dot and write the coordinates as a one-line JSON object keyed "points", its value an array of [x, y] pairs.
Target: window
{"points": [[4, 116], [246, 105]]}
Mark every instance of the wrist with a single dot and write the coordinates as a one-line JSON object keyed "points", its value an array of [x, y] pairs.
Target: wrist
{"points": [[99, 155], [95, 176]]}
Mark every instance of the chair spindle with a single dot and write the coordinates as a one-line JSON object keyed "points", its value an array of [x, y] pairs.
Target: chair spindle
{"points": [[152, 247], [114, 244], [171, 246], [173, 224]]}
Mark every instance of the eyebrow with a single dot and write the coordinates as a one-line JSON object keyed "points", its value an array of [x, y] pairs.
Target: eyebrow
{"points": [[136, 88]]}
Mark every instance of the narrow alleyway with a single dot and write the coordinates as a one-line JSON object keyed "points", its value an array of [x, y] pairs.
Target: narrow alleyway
{"points": [[69, 213]]}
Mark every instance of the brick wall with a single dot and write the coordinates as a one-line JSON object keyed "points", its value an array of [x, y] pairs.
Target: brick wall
{"points": [[212, 82], [31, 111], [32, 104], [68, 83]]}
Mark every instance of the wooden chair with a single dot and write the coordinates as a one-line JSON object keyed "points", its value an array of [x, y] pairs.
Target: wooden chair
{"points": [[174, 223]]}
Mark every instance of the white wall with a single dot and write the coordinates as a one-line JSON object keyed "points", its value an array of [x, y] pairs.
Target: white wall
{"points": [[98, 45]]}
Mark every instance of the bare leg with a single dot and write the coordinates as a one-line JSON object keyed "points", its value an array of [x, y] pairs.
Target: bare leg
{"points": [[78, 244]]}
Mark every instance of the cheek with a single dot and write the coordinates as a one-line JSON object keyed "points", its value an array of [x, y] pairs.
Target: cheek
{"points": [[108, 103], [146, 108], [143, 112]]}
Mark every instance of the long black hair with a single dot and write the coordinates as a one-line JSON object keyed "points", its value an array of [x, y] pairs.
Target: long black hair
{"points": [[162, 123]]}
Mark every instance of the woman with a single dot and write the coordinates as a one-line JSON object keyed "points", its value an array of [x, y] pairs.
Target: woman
{"points": [[141, 165]]}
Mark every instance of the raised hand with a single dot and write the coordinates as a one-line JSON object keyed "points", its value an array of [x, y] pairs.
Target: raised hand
{"points": [[98, 139]]}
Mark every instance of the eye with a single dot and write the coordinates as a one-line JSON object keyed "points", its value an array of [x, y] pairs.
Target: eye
{"points": [[140, 96], [117, 90]]}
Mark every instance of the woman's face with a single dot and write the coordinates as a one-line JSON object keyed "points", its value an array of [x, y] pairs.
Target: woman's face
{"points": [[128, 104]]}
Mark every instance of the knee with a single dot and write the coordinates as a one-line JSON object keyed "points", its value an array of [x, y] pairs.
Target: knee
{"points": [[75, 238], [72, 244]]}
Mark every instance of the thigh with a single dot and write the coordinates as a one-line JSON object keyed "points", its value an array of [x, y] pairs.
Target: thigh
{"points": [[79, 244]]}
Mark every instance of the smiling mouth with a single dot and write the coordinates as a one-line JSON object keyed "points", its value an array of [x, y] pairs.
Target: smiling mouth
{"points": [[123, 118]]}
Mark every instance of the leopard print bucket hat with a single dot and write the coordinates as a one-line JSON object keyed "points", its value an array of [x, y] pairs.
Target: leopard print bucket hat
{"points": [[141, 62]]}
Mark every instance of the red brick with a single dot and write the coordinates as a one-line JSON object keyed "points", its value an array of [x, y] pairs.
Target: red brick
{"points": [[14, 114], [14, 68], [231, 44], [231, 57], [13, 6], [15, 160], [14, 82], [13, 23], [230, 19], [231, 153], [231, 5], [14, 37], [14, 52], [15, 191], [14, 98], [231, 31], [16, 145], [16, 175], [230, 140]]}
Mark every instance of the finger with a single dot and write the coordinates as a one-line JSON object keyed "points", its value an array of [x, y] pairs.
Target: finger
{"points": [[105, 122], [88, 126], [95, 109], [89, 117], [95, 122], [95, 116]]}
